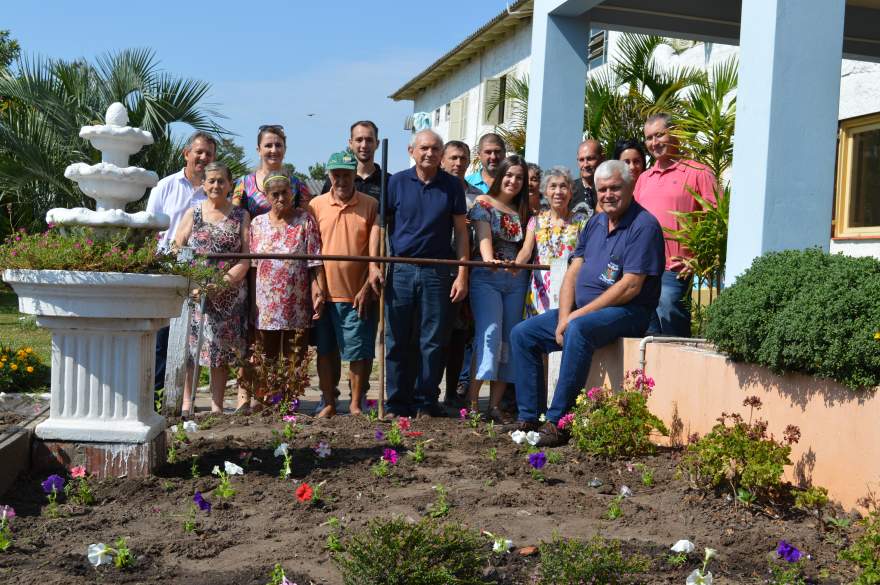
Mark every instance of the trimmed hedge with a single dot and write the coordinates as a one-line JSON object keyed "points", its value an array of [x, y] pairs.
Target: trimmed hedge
{"points": [[804, 311]]}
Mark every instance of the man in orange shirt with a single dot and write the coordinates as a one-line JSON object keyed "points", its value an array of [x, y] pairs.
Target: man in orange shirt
{"points": [[347, 328], [662, 189]]}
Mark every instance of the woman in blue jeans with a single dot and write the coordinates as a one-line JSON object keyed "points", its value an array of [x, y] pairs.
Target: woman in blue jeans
{"points": [[497, 296]]}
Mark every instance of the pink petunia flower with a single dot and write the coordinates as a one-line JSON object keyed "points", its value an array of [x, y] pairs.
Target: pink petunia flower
{"points": [[404, 423], [289, 418], [390, 455], [78, 471]]}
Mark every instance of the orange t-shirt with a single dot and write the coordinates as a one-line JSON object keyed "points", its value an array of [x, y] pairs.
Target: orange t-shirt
{"points": [[345, 229]]}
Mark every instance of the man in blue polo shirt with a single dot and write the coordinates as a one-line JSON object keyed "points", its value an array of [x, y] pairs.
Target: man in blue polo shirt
{"points": [[610, 290], [425, 205]]}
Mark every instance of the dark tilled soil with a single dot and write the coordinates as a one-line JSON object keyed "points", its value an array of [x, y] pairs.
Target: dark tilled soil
{"points": [[239, 542]]}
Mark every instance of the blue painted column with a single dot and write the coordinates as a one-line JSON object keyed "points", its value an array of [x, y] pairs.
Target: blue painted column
{"points": [[557, 79], [786, 124]]}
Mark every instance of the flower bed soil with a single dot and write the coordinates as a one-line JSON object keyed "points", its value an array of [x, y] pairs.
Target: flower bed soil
{"points": [[264, 523]]}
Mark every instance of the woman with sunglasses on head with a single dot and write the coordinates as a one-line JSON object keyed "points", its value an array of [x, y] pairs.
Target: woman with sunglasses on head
{"points": [[271, 146]]}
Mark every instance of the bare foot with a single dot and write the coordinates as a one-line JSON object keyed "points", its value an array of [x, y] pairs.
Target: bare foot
{"points": [[354, 409], [328, 411]]}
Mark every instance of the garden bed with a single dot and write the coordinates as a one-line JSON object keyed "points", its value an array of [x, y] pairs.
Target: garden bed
{"points": [[264, 523]]}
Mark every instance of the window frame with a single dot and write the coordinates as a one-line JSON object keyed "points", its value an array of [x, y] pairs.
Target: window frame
{"points": [[847, 131]]}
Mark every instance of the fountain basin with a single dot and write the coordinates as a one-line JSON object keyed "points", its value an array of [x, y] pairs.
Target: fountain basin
{"points": [[103, 328], [109, 185]]}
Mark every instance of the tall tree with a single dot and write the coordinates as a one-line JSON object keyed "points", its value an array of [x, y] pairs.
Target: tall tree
{"points": [[53, 98]]}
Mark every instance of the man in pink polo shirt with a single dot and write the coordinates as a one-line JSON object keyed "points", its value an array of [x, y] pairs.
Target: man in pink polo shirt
{"points": [[663, 189]]}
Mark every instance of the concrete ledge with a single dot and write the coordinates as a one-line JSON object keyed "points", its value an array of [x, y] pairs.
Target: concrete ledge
{"points": [[840, 438], [100, 459], [15, 455]]}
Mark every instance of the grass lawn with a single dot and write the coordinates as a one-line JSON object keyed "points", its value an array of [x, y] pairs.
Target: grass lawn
{"points": [[17, 333]]}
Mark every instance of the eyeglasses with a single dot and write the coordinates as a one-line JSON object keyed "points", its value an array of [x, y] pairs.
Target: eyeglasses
{"points": [[271, 127]]}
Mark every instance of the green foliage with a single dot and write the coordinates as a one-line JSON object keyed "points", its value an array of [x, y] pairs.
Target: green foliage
{"points": [[397, 552], [804, 311], [593, 561], [615, 510], [616, 424], [646, 473], [739, 454], [516, 109], [276, 577], [418, 452], [783, 573], [440, 507], [395, 435], [9, 50], [52, 98], [318, 171], [334, 542], [813, 499], [865, 550], [5, 533], [79, 492], [123, 557], [21, 369]]}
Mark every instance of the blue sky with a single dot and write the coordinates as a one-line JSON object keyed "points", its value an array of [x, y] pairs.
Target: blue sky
{"points": [[271, 61]]}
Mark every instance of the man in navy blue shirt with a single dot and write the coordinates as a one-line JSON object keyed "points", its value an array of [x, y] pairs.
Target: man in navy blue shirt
{"points": [[610, 290], [425, 206]]}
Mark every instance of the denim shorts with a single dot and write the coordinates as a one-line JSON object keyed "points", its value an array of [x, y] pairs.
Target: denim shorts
{"points": [[340, 329]]}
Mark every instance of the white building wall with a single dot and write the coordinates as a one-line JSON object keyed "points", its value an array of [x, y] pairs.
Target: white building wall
{"points": [[859, 91]]}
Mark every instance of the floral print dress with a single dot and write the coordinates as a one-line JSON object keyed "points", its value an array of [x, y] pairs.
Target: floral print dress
{"points": [[283, 292], [225, 312], [552, 242], [507, 234]]}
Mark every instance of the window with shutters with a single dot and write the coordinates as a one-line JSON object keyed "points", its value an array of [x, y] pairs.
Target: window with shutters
{"points": [[458, 118], [494, 103], [598, 49], [857, 208]]}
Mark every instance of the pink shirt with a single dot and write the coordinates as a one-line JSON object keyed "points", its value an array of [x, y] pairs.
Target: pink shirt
{"points": [[661, 192]]}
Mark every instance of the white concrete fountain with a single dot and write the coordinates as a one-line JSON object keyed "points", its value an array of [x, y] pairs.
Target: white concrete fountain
{"points": [[104, 323]]}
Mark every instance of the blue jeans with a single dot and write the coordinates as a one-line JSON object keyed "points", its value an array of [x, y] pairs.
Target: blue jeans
{"points": [[416, 299], [673, 314], [536, 336], [161, 357], [497, 299]]}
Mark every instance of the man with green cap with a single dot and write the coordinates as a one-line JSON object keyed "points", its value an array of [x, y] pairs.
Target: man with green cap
{"points": [[347, 220]]}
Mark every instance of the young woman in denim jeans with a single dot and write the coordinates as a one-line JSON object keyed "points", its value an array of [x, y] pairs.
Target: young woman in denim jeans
{"points": [[497, 296]]}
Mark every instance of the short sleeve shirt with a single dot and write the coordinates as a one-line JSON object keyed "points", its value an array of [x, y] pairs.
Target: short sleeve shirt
{"points": [[666, 191], [635, 246], [172, 196], [283, 291], [507, 233], [421, 214], [345, 230]]}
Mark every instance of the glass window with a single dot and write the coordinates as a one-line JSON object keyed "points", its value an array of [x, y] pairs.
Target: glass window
{"points": [[858, 180]]}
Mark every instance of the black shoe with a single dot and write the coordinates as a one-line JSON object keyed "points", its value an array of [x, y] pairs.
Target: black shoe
{"points": [[551, 436], [521, 425], [432, 411]]}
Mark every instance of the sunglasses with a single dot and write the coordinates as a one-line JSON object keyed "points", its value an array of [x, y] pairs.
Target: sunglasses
{"points": [[271, 127]]}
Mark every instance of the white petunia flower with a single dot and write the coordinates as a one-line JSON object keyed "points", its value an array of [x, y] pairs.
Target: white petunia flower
{"points": [[173, 429], [683, 546], [710, 553], [532, 438], [216, 470], [281, 450], [232, 468], [518, 437], [542, 418], [190, 426], [99, 554], [697, 577], [502, 545]]}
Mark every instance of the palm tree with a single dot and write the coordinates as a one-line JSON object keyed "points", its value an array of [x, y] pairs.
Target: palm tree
{"points": [[516, 109], [51, 99]]}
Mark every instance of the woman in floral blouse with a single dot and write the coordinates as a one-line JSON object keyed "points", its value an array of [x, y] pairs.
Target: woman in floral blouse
{"points": [[216, 226], [550, 236], [289, 294], [497, 296]]}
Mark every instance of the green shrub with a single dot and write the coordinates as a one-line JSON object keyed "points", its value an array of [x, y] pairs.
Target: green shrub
{"points": [[397, 552], [616, 424], [739, 453], [804, 311], [865, 550], [593, 561]]}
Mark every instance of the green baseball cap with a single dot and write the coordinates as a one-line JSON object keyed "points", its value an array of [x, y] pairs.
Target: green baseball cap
{"points": [[342, 160]]}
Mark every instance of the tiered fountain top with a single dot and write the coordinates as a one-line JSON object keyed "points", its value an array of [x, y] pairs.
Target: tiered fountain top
{"points": [[111, 182]]}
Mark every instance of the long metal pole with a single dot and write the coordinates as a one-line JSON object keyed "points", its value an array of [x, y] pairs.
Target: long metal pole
{"points": [[381, 334], [382, 258], [199, 340]]}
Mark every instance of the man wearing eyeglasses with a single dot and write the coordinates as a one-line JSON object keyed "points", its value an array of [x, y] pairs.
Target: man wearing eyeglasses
{"points": [[664, 189]]}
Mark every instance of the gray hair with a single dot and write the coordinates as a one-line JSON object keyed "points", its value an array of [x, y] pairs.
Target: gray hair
{"points": [[665, 116], [428, 131], [218, 167], [200, 135], [609, 168], [556, 173]]}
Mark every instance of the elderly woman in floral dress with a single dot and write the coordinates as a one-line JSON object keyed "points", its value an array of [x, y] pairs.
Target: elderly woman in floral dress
{"points": [[217, 226], [289, 294], [550, 235]]}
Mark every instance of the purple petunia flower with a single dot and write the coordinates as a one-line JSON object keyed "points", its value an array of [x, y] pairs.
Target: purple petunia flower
{"points": [[537, 460], [294, 405], [203, 504], [789, 552], [390, 455], [54, 483], [380, 435], [276, 398]]}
